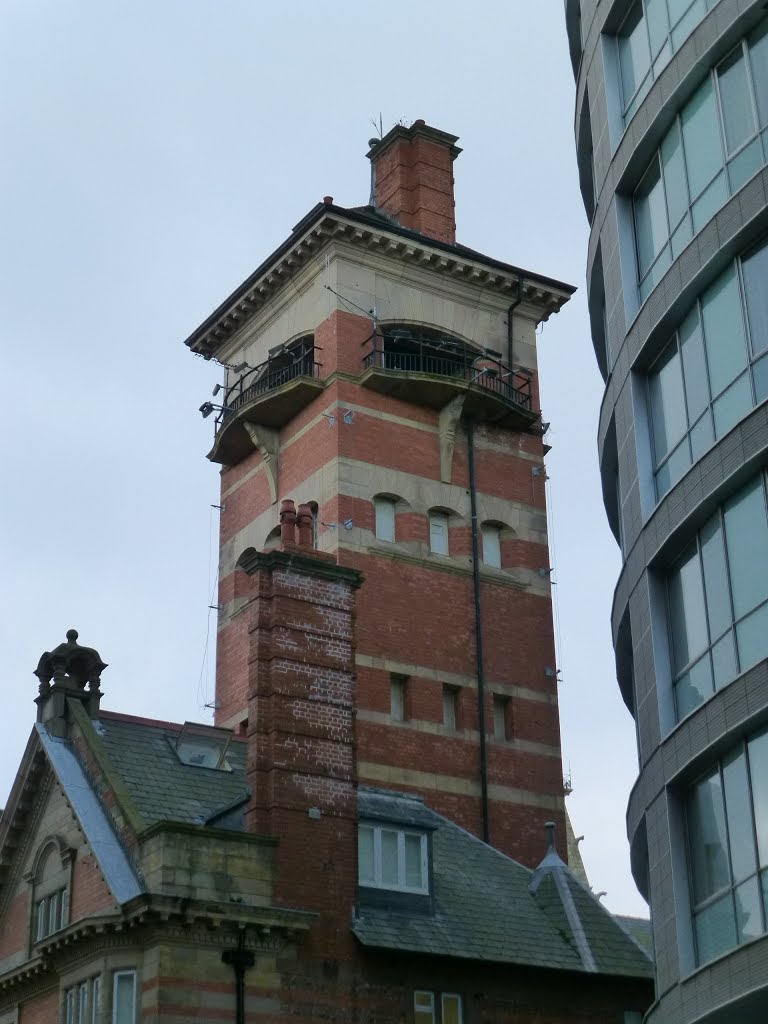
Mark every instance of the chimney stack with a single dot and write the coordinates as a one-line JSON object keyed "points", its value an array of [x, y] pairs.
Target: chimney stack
{"points": [[413, 181]]}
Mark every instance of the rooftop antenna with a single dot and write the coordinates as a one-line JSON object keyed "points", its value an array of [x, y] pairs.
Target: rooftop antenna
{"points": [[372, 142]]}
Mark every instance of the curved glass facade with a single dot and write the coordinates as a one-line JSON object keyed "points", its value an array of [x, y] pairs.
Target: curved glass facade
{"points": [[718, 599], [727, 826], [717, 142], [713, 370], [651, 32]]}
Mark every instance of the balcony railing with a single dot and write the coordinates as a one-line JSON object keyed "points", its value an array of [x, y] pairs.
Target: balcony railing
{"points": [[485, 372], [260, 381]]}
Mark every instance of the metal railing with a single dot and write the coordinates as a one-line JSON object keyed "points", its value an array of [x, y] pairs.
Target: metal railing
{"points": [[490, 374], [260, 381]]}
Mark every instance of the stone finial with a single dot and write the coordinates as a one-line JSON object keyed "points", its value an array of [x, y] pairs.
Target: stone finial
{"points": [[306, 522], [70, 665], [287, 521]]}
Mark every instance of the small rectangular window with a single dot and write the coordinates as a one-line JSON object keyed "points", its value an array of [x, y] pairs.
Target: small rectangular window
{"points": [[438, 533], [124, 997], [397, 685], [424, 1007], [384, 509], [95, 1000], [491, 545], [82, 1000], [451, 1007], [500, 709], [450, 707]]}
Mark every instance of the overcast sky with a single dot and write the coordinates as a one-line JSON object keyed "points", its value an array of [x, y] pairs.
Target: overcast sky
{"points": [[153, 154]]}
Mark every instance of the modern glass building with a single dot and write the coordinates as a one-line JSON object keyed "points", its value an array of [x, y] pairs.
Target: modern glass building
{"points": [[672, 141]]}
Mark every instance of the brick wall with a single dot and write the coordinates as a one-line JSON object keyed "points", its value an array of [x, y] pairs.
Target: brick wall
{"points": [[90, 893]]}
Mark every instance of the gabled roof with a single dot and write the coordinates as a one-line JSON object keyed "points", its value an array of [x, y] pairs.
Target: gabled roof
{"points": [[486, 906], [366, 226]]}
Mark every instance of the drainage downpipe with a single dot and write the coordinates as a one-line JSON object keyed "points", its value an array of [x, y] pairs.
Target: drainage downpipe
{"points": [[239, 960], [510, 323], [478, 633]]}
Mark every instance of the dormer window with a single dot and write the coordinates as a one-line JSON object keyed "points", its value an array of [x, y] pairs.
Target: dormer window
{"points": [[203, 746], [393, 858]]}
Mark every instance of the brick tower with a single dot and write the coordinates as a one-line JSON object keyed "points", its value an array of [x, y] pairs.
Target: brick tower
{"points": [[385, 377]]}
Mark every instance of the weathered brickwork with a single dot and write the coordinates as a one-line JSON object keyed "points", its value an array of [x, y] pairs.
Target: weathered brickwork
{"points": [[90, 893]]}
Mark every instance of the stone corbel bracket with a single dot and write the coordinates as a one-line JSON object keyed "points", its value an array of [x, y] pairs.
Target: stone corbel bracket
{"points": [[267, 442], [449, 418]]}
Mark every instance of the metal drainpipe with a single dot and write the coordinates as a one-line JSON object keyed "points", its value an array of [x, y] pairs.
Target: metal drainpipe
{"points": [[510, 322], [478, 634], [239, 960]]}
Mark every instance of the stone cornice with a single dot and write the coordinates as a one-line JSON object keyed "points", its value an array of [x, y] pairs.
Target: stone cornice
{"points": [[329, 223], [317, 565]]}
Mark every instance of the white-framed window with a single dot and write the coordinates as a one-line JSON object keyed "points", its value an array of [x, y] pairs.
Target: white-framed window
{"points": [[427, 1009], [384, 509], [438, 533], [82, 1002], [51, 914], [451, 707], [491, 545], [124, 997], [392, 858]]}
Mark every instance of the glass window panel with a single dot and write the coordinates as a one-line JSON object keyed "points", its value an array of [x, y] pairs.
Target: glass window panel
{"points": [[701, 138], [746, 534], [764, 887], [675, 181], [680, 8], [760, 379], [365, 855], [694, 364], [735, 100], [749, 915], [663, 59], [438, 533], [95, 1000], [758, 58], [124, 1010], [702, 436], [715, 929], [758, 769], [385, 518], [83, 1003], [69, 1008], [397, 699], [743, 166], [658, 24], [739, 814], [752, 638], [715, 573], [755, 275], [709, 202], [451, 1009], [681, 236], [688, 23], [707, 839], [667, 402], [693, 688], [424, 1007], [413, 876], [389, 873], [724, 331], [650, 217], [634, 58], [733, 405], [492, 546], [724, 660], [687, 614], [450, 702]]}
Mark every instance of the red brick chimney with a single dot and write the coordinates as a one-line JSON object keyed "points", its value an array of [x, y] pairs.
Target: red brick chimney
{"points": [[413, 178], [301, 704]]}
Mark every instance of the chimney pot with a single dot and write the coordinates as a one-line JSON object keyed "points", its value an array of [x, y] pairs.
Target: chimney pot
{"points": [[287, 521], [328, 200]]}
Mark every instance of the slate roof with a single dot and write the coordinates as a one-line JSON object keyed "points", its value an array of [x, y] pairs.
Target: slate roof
{"points": [[484, 908], [639, 928], [163, 789]]}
